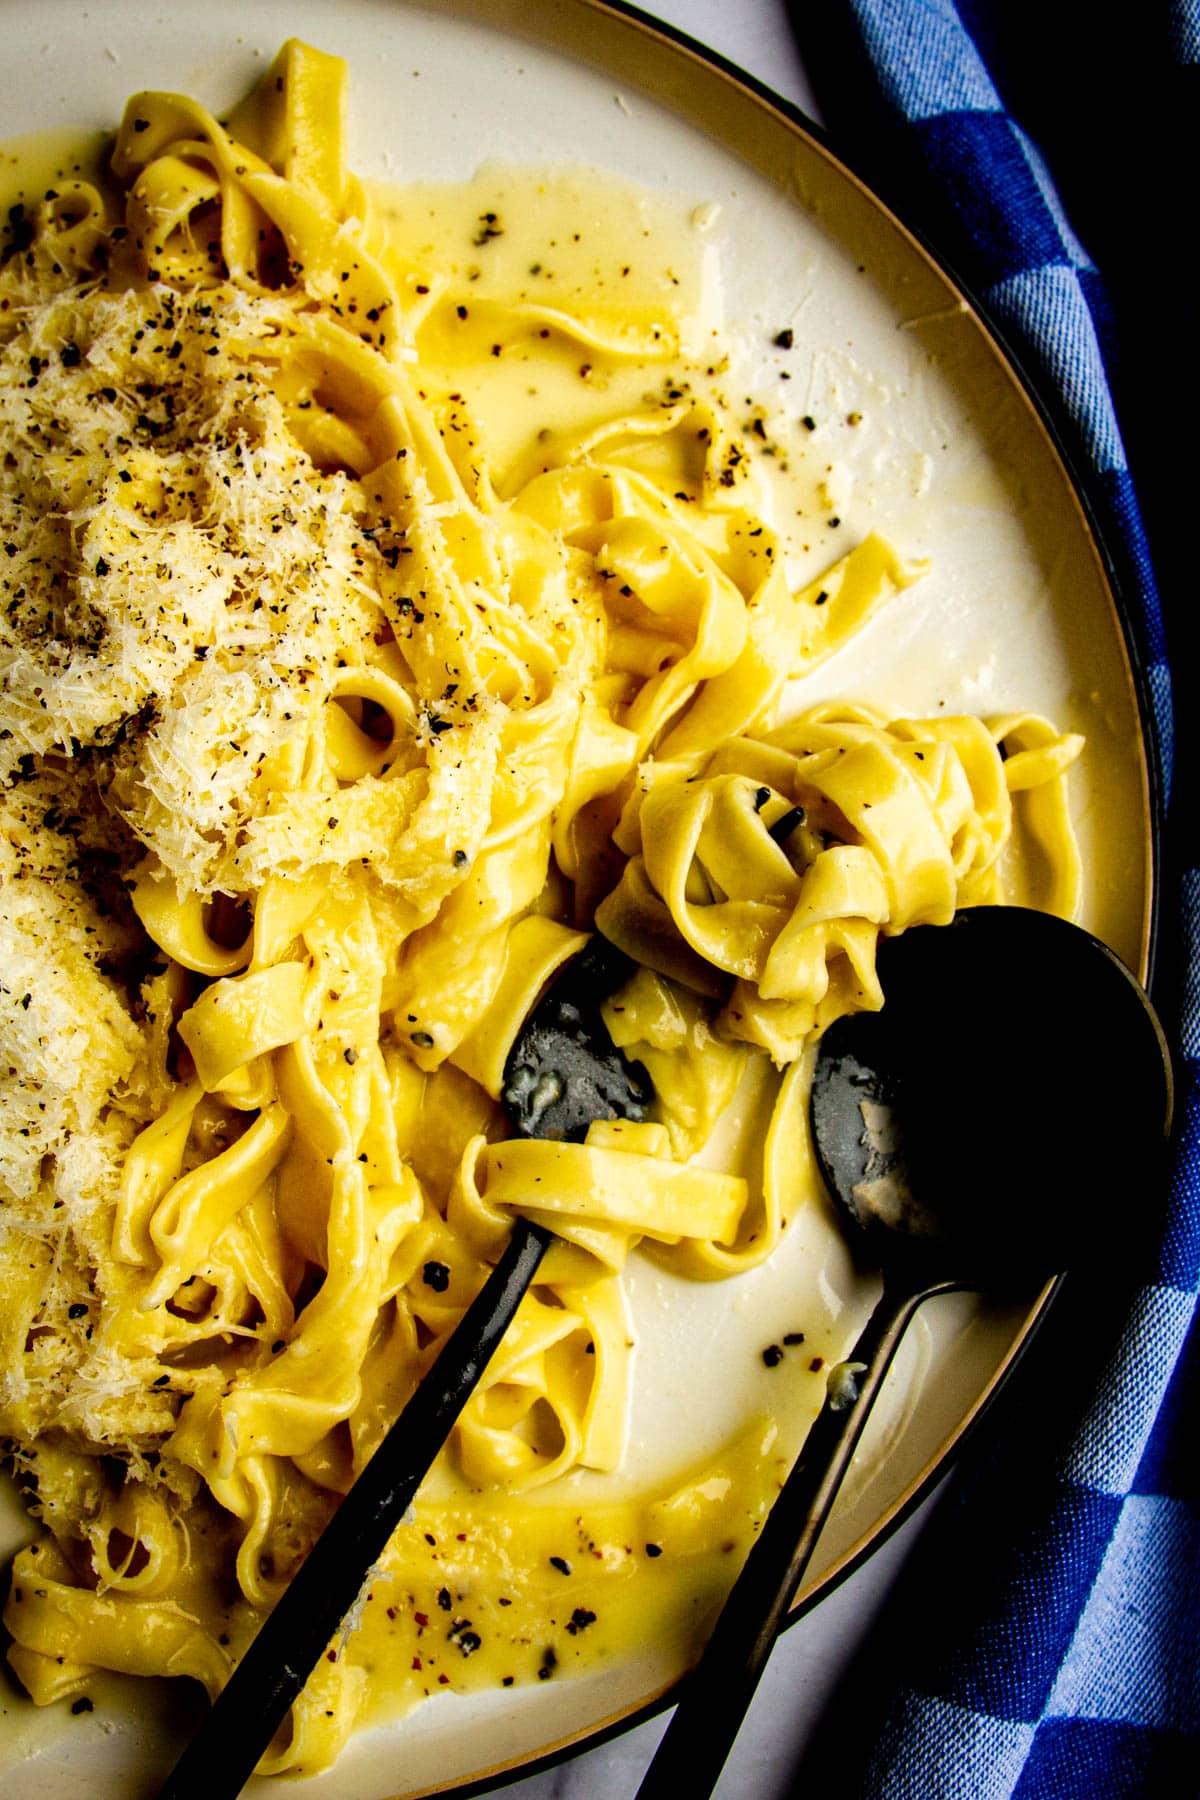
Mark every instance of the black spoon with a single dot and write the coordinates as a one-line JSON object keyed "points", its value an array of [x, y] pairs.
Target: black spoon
{"points": [[986, 1129], [562, 1072]]}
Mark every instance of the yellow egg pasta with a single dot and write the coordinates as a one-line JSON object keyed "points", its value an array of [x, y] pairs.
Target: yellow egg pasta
{"points": [[334, 717]]}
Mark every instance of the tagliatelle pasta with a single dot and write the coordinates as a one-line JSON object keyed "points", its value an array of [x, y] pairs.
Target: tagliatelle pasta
{"points": [[338, 706]]}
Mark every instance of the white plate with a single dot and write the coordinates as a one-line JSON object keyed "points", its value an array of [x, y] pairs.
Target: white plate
{"points": [[951, 461]]}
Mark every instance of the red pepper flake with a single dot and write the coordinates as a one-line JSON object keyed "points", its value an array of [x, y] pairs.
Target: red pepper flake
{"points": [[417, 1663], [818, 1362], [422, 1620], [443, 1681]]}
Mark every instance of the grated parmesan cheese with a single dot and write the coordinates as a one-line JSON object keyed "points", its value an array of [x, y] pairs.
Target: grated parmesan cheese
{"points": [[181, 589]]}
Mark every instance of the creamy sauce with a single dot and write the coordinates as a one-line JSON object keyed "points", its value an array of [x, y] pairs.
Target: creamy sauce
{"points": [[534, 1592], [610, 254], [31, 165], [615, 255]]}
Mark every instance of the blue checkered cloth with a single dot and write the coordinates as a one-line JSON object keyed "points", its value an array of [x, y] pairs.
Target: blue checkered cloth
{"points": [[1048, 1634]]}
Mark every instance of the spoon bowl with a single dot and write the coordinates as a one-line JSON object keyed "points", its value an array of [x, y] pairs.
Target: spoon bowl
{"points": [[992, 1119]]}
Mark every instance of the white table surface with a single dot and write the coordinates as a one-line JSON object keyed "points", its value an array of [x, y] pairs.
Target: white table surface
{"points": [[813, 1654]]}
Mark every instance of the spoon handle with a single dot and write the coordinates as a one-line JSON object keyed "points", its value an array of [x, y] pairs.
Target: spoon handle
{"points": [[291, 1641], [719, 1690]]}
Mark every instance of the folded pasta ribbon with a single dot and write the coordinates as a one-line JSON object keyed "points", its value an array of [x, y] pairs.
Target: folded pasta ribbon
{"points": [[132, 1636], [888, 825], [632, 1192]]}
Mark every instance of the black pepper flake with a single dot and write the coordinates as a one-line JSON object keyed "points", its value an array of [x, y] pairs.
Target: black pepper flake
{"points": [[77, 1311], [580, 1619], [82, 1705], [785, 338], [821, 598], [549, 1664], [817, 1363], [808, 422], [141, 125], [444, 1600], [792, 1338], [653, 1549], [421, 1039], [773, 1355], [70, 356], [101, 566], [468, 1641], [561, 1564], [436, 1275]]}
